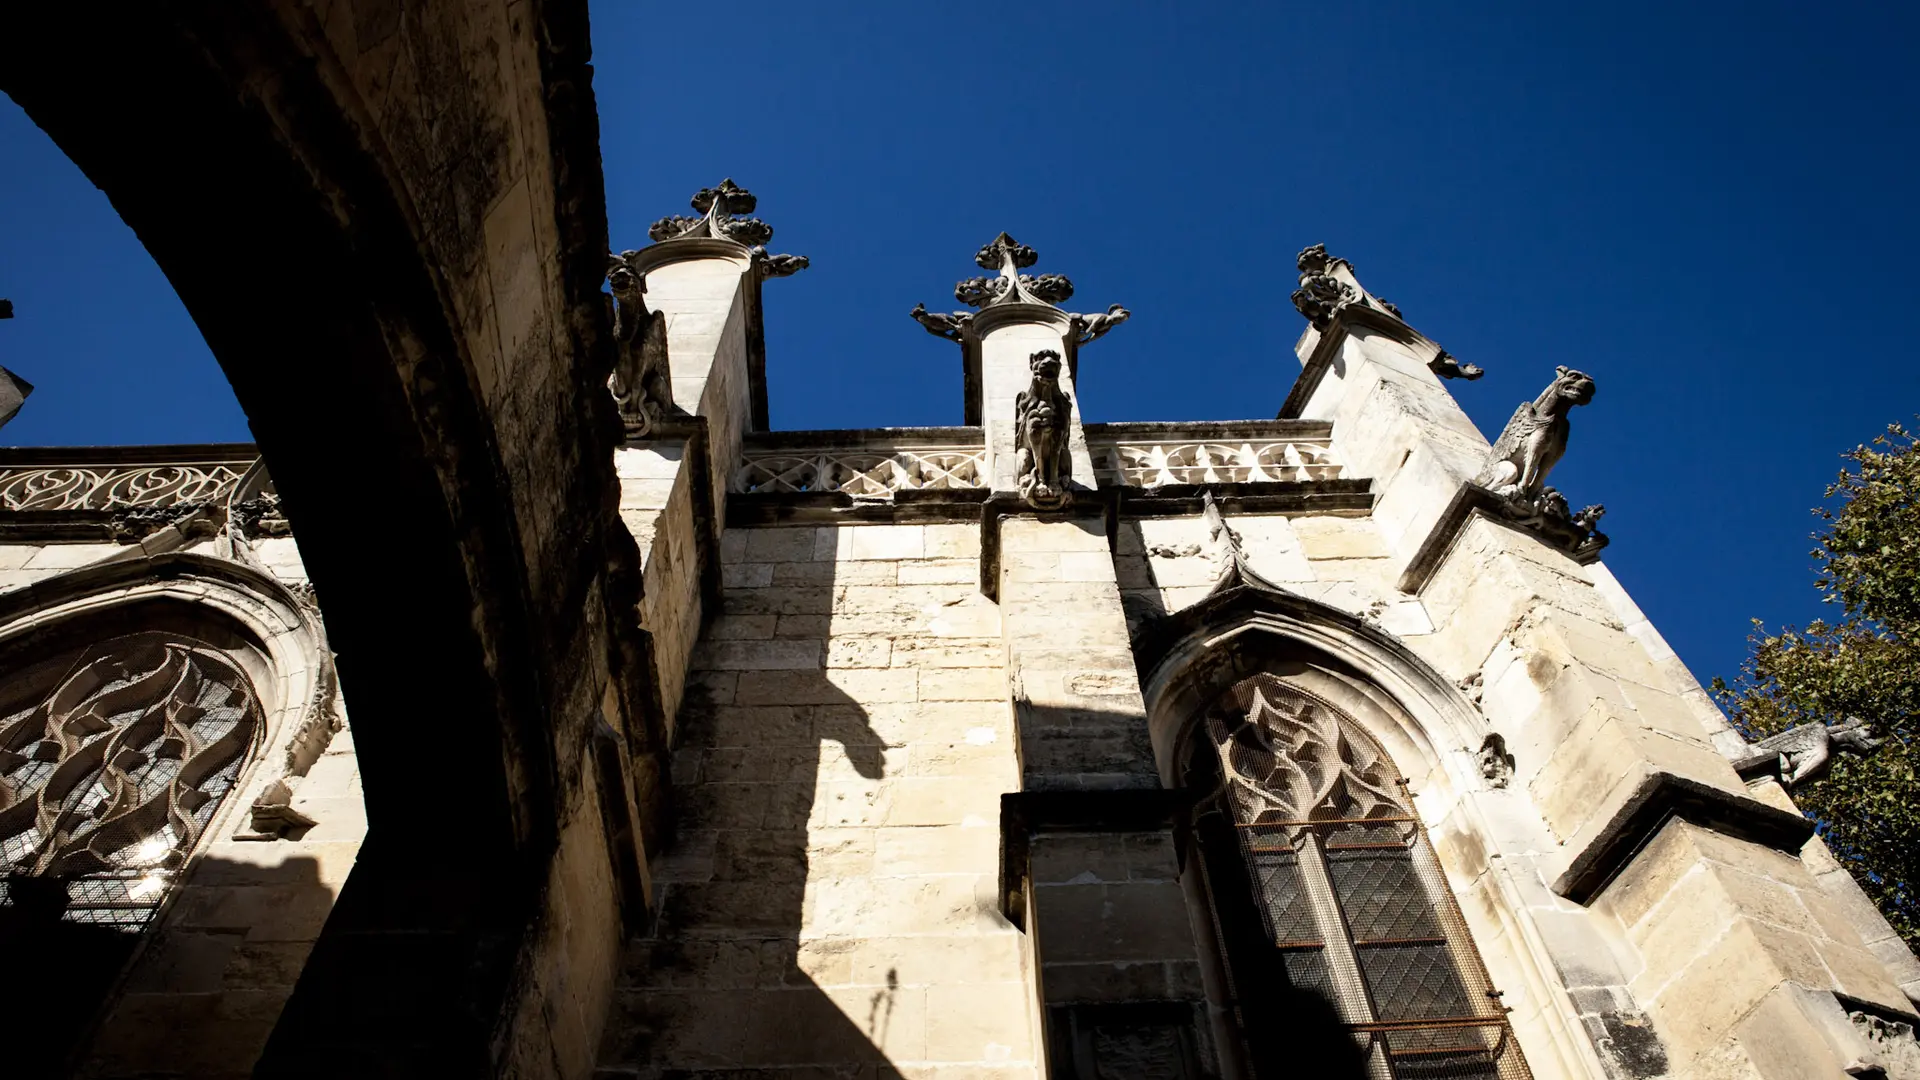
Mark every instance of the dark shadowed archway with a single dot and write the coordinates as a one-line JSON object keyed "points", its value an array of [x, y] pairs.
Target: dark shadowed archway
{"points": [[387, 220]]}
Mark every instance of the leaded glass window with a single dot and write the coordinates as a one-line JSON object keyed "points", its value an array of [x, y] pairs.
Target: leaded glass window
{"points": [[113, 760], [1327, 895]]}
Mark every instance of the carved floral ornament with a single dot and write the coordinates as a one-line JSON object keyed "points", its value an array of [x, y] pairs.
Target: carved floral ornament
{"points": [[1008, 285], [725, 215]]}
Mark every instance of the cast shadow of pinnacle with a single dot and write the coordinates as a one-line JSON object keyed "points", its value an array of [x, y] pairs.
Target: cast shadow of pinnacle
{"points": [[773, 785]]}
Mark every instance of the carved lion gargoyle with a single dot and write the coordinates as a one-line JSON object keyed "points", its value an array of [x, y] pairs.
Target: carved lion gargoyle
{"points": [[1805, 750], [641, 383], [1041, 416], [1533, 442]]}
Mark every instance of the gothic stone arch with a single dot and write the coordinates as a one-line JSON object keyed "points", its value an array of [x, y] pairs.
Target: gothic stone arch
{"points": [[1430, 731], [387, 221]]}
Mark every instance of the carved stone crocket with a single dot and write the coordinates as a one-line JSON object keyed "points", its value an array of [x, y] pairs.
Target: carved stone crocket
{"points": [[1041, 417]]}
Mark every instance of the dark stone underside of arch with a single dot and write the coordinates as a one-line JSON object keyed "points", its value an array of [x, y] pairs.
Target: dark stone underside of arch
{"points": [[473, 658]]}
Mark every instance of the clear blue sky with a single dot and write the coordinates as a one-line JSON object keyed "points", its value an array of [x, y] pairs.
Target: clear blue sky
{"points": [[1710, 210]]}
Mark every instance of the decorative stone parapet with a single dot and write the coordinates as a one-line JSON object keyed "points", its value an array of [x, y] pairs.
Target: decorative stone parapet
{"points": [[1232, 452], [871, 463], [110, 487], [115, 492]]}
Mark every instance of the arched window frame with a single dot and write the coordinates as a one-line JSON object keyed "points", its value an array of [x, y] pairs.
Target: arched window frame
{"points": [[250, 619], [1432, 732], [1352, 906]]}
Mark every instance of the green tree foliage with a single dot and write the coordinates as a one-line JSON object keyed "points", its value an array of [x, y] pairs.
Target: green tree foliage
{"points": [[1866, 664]]}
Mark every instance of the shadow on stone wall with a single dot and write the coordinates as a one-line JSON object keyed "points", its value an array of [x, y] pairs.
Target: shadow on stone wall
{"points": [[201, 991], [721, 985]]}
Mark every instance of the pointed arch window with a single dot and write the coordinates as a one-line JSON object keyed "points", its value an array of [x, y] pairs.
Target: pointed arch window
{"points": [[113, 760], [1327, 896]]}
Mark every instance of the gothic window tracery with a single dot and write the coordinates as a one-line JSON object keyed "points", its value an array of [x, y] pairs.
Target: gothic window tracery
{"points": [[113, 760], [1326, 894]]}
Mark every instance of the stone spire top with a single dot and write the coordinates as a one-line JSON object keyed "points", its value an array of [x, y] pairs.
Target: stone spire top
{"points": [[1010, 287], [724, 215], [1009, 257]]}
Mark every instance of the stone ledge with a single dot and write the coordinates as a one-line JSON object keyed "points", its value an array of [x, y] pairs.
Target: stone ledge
{"points": [[1663, 797], [925, 506], [1183, 500], [1210, 430], [1023, 814], [862, 438], [1469, 502]]}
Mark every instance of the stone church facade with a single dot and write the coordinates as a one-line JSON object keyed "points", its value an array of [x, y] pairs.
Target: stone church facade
{"points": [[669, 745]]}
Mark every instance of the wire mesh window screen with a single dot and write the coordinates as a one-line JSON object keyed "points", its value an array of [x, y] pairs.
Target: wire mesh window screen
{"points": [[1348, 888], [113, 761]]}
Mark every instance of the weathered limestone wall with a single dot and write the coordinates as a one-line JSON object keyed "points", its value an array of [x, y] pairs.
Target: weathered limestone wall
{"points": [[1076, 693], [832, 898], [657, 505]]}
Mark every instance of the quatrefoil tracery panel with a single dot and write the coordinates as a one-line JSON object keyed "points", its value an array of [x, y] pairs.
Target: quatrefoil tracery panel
{"points": [[863, 472], [112, 763], [1158, 464]]}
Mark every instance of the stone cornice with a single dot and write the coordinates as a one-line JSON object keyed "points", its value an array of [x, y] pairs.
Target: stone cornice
{"points": [[1663, 797], [1470, 502]]}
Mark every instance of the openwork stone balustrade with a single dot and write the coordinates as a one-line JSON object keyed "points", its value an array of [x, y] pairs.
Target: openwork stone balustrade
{"points": [[80, 488], [91, 493], [1150, 455], [875, 462]]}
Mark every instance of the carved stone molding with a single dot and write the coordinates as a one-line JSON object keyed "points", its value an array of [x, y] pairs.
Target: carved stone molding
{"points": [[1042, 417], [132, 524], [725, 215], [259, 518], [1228, 553]]}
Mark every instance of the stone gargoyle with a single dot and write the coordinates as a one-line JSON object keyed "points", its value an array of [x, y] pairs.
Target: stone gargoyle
{"points": [[1041, 415], [1805, 750], [641, 384], [1533, 442]]}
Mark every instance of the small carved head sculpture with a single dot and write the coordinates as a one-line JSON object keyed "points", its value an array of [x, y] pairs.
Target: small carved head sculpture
{"points": [[1045, 364], [622, 278], [1573, 387]]}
